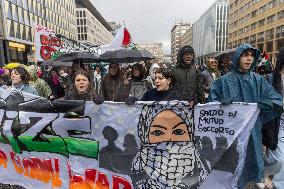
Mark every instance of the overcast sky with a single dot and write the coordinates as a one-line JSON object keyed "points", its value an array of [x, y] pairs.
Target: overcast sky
{"points": [[152, 20]]}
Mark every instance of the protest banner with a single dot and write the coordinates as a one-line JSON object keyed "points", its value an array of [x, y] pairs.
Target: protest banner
{"points": [[50, 45], [81, 145]]}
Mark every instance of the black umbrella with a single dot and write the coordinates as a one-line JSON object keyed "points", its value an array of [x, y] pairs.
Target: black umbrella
{"points": [[229, 53], [78, 57], [126, 56], [54, 63]]}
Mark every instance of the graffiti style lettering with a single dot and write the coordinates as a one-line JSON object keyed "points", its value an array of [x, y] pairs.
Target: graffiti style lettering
{"points": [[17, 163], [3, 159], [42, 170], [102, 181], [47, 132], [50, 40], [35, 168], [46, 52]]}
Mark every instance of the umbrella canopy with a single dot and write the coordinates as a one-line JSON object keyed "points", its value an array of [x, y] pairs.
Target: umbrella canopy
{"points": [[78, 57], [126, 56], [230, 53], [147, 54], [54, 63], [12, 65]]}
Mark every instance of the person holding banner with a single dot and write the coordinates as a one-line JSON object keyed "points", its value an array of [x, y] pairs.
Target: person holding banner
{"points": [[243, 85], [20, 80], [164, 82], [82, 88]]}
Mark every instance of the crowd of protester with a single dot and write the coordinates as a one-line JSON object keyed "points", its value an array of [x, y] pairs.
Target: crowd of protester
{"points": [[243, 78]]}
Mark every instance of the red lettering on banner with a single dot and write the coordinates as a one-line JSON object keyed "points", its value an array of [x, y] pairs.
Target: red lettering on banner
{"points": [[96, 180], [49, 45], [119, 181], [42, 170], [17, 163], [50, 41], [102, 182], [46, 52], [3, 159]]}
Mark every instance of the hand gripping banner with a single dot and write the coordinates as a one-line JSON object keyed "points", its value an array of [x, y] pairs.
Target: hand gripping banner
{"points": [[80, 145]]}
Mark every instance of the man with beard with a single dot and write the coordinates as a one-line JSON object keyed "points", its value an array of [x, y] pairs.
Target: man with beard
{"points": [[168, 157], [188, 78]]}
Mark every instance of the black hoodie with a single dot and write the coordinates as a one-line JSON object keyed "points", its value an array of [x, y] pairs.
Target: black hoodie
{"points": [[188, 78]]}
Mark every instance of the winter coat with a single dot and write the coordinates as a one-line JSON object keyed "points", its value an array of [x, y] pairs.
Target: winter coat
{"points": [[208, 76], [113, 89], [252, 88], [154, 95], [188, 80]]}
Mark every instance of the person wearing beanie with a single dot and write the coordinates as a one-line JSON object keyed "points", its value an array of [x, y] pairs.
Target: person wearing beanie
{"points": [[112, 85], [188, 78]]}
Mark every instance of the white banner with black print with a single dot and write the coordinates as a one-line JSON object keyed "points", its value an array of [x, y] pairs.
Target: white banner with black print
{"points": [[81, 145]]}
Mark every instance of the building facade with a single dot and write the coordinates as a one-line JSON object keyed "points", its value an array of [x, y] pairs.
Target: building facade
{"points": [[91, 26], [156, 49], [210, 31], [177, 32], [18, 18], [258, 22], [186, 39]]}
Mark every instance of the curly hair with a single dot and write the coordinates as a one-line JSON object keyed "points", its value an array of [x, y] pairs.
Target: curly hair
{"points": [[24, 74]]}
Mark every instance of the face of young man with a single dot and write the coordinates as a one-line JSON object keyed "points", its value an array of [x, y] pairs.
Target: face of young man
{"points": [[246, 60]]}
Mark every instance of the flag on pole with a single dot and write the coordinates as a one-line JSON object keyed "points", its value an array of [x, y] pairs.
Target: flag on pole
{"points": [[121, 40]]}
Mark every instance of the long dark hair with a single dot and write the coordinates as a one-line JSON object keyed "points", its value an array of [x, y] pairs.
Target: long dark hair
{"points": [[276, 81], [74, 95], [141, 69]]}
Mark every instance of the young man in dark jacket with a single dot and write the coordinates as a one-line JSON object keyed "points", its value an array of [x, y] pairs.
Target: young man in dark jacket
{"points": [[188, 78]]}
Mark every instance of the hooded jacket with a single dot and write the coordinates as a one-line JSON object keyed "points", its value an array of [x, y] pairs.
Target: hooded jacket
{"points": [[188, 79], [248, 87], [114, 89]]}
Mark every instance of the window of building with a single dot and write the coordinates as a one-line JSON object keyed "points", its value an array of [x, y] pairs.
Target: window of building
{"points": [[84, 13], [280, 14], [253, 39], [260, 37], [269, 34], [246, 29], [77, 13], [280, 31], [262, 9], [253, 26], [271, 18], [254, 13], [261, 23]]}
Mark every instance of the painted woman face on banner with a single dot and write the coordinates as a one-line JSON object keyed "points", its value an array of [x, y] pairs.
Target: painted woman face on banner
{"points": [[168, 126], [168, 155]]}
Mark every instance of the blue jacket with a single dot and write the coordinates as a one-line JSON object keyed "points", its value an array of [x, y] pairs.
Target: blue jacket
{"points": [[253, 88]]}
